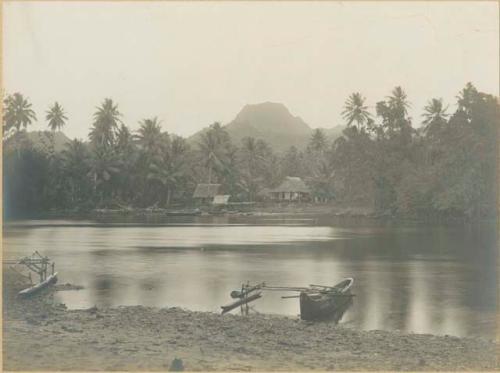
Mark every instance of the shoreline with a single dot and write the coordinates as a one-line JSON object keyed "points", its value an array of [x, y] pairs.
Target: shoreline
{"points": [[241, 210], [40, 334]]}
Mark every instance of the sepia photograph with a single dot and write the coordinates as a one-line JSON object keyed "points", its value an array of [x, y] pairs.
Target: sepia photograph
{"points": [[250, 185]]}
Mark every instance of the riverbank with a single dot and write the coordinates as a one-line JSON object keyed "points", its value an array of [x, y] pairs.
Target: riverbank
{"points": [[331, 209], [236, 209], [42, 335]]}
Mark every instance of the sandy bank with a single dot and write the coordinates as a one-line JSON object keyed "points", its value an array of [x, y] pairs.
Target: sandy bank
{"points": [[39, 335], [257, 209]]}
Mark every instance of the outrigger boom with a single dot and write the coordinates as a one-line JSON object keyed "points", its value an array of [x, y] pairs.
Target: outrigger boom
{"points": [[241, 302], [38, 264]]}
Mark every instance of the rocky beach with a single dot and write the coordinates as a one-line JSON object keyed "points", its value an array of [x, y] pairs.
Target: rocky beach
{"points": [[40, 334]]}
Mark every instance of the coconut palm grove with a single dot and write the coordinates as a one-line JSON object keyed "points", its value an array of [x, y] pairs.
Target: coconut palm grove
{"points": [[442, 165]]}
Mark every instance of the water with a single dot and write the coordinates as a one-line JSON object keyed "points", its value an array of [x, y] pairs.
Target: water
{"points": [[410, 277]]}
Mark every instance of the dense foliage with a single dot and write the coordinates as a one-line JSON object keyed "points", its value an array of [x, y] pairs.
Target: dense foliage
{"points": [[444, 168]]}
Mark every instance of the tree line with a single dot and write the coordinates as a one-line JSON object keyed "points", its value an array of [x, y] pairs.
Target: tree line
{"points": [[446, 167]]}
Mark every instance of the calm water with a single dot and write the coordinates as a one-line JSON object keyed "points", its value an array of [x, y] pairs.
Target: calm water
{"points": [[425, 279]]}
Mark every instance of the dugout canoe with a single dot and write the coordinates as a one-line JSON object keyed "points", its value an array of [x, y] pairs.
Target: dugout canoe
{"points": [[52, 279], [193, 212], [322, 302]]}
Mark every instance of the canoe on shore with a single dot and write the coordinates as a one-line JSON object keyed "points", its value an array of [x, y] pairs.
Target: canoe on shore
{"points": [[193, 212], [52, 279], [321, 303]]}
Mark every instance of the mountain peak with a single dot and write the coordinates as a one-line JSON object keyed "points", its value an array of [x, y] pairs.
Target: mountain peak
{"points": [[269, 116], [269, 121], [266, 106]]}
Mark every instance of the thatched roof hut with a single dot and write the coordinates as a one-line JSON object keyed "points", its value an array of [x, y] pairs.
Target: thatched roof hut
{"points": [[292, 184], [291, 189], [206, 191]]}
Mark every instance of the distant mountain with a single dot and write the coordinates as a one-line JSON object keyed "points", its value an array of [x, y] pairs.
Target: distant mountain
{"points": [[271, 122]]}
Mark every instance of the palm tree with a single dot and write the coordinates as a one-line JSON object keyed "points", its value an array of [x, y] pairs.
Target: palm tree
{"points": [[434, 116], [168, 168], [466, 97], [292, 163], [106, 120], [394, 113], [127, 156], [151, 143], [103, 165], [355, 110], [318, 141], [149, 137], [75, 160], [178, 146], [398, 101], [74, 155], [123, 139], [167, 173], [213, 147], [220, 133], [17, 113], [56, 120], [322, 180], [253, 160], [56, 117], [210, 150]]}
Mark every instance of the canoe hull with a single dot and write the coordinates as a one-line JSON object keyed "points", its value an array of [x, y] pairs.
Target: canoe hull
{"points": [[183, 213], [320, 306], [52, 279]]}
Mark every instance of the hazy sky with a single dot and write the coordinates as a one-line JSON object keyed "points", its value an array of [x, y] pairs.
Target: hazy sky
{"points": [[193, 63]]}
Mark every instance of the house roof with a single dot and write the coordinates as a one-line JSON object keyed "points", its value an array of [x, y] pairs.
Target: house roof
{"points": [[221, 199], [206, 190], [264, 192], [292, 184]]}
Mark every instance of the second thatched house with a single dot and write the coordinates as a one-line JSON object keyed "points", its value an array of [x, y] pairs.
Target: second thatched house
{"points": [[205, 193], [291, 189]]}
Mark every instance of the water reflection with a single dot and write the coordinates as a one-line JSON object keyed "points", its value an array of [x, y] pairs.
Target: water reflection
{"points": [[438, 279]]}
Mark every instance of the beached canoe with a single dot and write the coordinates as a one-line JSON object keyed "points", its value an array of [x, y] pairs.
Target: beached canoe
{"points": [[193, 212], [52, 279], [321, 302]]}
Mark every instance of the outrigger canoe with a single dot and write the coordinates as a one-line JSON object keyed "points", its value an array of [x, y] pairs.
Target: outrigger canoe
{"points": [[317, 302], [52, 279], [193, 212], [322, 302]]}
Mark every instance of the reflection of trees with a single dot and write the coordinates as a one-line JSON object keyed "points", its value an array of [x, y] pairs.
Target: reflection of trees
{"points": [[372, 295], [418, 315], [103, 290], [448, 307]]}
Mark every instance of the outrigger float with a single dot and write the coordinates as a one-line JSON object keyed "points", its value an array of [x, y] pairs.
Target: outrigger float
{"points": [[40, 265], [317, 302]]}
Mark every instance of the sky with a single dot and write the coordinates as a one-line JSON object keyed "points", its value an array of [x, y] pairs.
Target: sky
{"points": [[193, 63]]}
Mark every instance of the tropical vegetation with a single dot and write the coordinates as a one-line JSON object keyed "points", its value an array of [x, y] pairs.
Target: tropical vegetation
{"points": [[443, 167]]}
